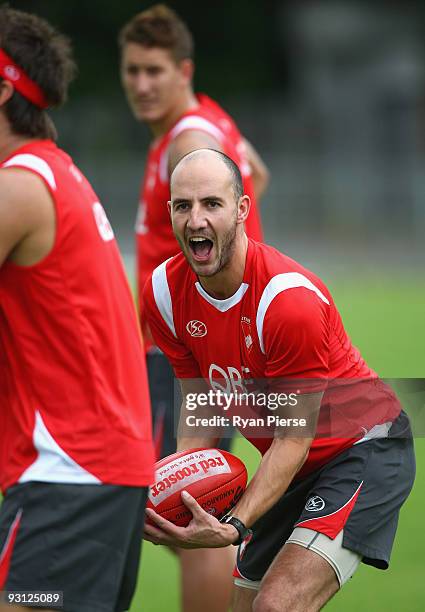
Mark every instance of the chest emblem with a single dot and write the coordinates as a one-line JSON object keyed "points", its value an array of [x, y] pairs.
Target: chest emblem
{"points": [[246, 329], [196, 329]]}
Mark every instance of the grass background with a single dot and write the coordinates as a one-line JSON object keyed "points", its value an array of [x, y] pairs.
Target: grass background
{"points": [[385, 319]]}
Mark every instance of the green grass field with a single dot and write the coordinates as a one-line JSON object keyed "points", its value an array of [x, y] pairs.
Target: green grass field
{"points": [[385, 319]]}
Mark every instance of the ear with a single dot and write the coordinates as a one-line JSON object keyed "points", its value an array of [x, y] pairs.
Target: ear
{"points": [[169, 207], [6, 91], [187, 69], [244, 206]]}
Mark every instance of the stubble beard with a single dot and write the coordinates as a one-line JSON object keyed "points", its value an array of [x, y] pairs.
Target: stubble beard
{"points": [[227, 248], [226, 251]]}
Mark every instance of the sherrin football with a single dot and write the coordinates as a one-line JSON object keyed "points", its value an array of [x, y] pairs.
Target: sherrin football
{"points": [[215, 478]]}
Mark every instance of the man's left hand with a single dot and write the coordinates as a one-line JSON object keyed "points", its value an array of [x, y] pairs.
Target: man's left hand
{"points": [[203, 531]]}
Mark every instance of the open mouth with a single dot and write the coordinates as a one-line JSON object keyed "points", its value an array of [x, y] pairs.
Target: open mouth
{"points": [[200, 247]]}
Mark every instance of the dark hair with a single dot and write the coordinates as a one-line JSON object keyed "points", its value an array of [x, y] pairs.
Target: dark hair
{"points": [[46, 57], [235, 173], [159, 26]]}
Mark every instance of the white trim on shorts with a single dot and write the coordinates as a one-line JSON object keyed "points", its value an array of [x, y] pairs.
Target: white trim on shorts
{"points": [[343, 561], [246, 583], [11, 533]]}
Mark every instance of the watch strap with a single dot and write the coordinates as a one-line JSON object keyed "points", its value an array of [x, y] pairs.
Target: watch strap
{"points": [[242, 530]]}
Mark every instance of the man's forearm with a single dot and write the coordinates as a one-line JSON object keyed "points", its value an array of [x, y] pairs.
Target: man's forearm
{"points": [[274, 474]]}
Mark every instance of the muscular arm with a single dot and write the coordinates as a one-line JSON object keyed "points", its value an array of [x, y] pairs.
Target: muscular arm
{"points": [[273, 476], [188, 141], [14, 224], [27, 219], [259, 170], [297, 348], [279, 465]]}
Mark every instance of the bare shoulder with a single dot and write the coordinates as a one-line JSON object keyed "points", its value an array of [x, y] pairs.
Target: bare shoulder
{"points": [[25, 206], [22, 191], [188, 141]]}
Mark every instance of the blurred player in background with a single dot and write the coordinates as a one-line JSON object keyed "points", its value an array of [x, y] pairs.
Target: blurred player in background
{"points": [[157, 71], [76, 452], [324, 497]]}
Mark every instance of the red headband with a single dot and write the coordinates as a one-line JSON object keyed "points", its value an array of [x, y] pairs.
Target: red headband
{"points": [[20, 81]]}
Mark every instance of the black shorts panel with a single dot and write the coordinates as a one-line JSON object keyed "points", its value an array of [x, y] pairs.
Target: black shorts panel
{"points": [[371, 527], [163, 400], [84, 540], [361, 491]]}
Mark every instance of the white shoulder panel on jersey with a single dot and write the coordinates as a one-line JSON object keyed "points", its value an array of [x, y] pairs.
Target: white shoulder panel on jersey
{"points": [[162, 295], [32, 162], [192, 122], [53, 464], [279, 283]]}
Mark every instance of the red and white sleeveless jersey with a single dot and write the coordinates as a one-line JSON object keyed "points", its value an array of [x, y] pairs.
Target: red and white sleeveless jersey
{"points": [[73, 387], [281, 324], [154, 234]]}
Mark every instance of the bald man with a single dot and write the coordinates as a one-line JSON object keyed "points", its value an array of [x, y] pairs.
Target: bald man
{"points": [[314, 508]]}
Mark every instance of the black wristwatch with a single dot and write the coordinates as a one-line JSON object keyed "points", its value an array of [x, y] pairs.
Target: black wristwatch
{"points": [[243, 531]]}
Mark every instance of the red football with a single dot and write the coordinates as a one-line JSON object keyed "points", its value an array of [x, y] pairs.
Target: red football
{"points": [[215, 478]]}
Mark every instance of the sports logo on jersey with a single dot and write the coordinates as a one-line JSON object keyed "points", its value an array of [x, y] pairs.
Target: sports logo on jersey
{"points": [[103, 225], [196, 329], [227, 380], [246, 329], [315, 504]]}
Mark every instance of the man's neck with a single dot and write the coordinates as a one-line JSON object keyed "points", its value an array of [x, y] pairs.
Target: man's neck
{"points": [[225, 284], [9, 141], [188, 101]]}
